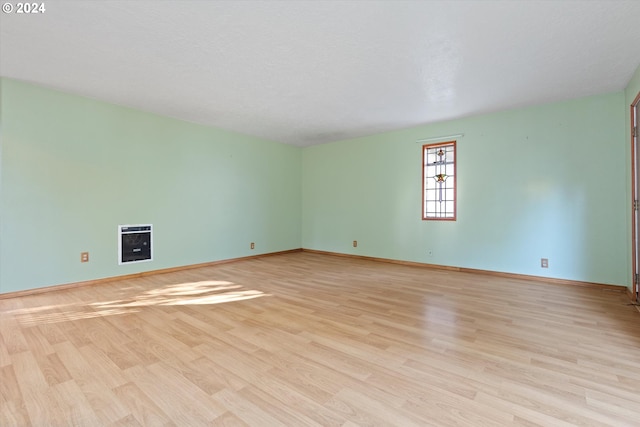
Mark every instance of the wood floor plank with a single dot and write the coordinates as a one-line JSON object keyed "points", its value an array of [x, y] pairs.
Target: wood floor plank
{"points": [[360, 408], [313, 339], [37, 342], [14, 413], [141, 407], [179, 398], [228, 419], [246, 410], [99, 396]]}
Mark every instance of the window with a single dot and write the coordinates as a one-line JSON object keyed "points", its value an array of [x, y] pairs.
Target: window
{"points": [[439, 181]]}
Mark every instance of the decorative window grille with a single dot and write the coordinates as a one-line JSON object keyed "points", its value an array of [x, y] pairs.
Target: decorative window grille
{"points": [[439, 181]]}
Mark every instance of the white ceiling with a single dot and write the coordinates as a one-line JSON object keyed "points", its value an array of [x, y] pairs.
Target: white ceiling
{"points": [[307, 72]]}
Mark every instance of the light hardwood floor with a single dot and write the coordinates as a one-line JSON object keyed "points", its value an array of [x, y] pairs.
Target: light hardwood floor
{"points": [[309, 339]]}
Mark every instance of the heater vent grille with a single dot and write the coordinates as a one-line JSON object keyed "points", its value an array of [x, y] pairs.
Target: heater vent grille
{"points": [[135, 243]]}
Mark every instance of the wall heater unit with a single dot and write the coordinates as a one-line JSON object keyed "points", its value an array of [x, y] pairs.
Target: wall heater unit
{"points": [[135, 243]]}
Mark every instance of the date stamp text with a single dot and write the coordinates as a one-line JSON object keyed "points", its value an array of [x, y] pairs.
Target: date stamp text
{"points": [[23, 8]]}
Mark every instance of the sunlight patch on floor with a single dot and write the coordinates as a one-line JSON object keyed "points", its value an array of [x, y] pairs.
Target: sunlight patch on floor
{"points": [[206, 292]]}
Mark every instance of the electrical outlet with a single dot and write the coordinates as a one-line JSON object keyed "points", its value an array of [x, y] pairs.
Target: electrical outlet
{"points": [[253, 245], [84, 256], [355, 243], [544, 262]]}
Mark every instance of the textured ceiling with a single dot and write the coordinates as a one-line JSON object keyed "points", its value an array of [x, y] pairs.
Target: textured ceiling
{"points": [[307, 72]]}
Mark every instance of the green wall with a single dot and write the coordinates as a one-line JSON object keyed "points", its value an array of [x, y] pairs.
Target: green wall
{"points": [[538, 182], [73, 169], [535, 182]]}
